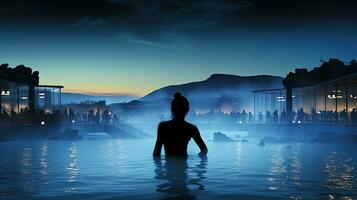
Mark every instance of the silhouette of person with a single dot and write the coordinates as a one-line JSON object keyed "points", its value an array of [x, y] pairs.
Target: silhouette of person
{"points": [[176, 133]]}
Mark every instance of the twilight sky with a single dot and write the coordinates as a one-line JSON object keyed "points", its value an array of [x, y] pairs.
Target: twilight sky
{"points": [[134, 47]]}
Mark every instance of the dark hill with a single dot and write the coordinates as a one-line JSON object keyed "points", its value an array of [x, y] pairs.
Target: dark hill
{"points": [[220, 92], [217, 85]]}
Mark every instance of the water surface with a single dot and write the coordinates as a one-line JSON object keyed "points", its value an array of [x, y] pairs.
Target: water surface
{"points": [[125, 169]]}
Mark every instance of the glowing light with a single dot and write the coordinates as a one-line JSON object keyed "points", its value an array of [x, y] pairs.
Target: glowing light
{"points": [[280, 97], [240, 122], [24, 98], [299, 122], [41, 94], [42, 123], [73, 121], [5, 93], [334, 96], [41, 97]]}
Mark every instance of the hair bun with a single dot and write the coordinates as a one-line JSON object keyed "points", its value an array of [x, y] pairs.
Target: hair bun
{"points": [[177, 95]]}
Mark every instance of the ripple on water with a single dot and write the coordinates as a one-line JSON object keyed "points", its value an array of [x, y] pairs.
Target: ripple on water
{"points": [[111, 168]]}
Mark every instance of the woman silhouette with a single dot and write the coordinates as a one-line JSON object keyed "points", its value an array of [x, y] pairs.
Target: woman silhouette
{"points": [[176, 133]]}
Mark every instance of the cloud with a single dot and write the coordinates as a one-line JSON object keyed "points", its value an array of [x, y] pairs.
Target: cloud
{"points": [[88, 22], [161, 24], [168, 24], [165, 40]]}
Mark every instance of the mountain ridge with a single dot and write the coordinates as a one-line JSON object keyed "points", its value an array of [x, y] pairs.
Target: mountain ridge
{"points": [[217, 82], [72, 97]]}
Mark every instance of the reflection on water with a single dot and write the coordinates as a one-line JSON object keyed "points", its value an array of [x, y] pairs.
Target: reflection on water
{"points": [[295, 164], [124, 169], [239, 156], [72, 168], [43, 159], [26, 161], [277, 168], [339, 174], [200, 170], [119, 156], [175, 172], [294, 172], [285, 170]]}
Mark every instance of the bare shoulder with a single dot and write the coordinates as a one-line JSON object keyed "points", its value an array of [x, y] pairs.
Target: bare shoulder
{"points": [[164, 124], [191, 126]]}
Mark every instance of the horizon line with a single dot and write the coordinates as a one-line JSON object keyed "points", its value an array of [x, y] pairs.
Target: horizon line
{"points": [[102, 93]]}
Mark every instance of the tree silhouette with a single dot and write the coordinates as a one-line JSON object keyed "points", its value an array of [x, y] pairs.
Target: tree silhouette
{"points": [[20, 73], [327, 71]]}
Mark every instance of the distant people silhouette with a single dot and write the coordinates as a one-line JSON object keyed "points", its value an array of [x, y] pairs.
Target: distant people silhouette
{"points": [[176, 133]]}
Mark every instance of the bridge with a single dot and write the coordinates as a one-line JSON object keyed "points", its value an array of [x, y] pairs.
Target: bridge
{"points": [[122, 129]]}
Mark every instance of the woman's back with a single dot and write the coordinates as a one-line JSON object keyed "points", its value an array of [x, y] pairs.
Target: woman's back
{"points": [[176, 135]]}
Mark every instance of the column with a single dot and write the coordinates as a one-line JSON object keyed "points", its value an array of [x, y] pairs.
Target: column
{"points": [[289, 105]]}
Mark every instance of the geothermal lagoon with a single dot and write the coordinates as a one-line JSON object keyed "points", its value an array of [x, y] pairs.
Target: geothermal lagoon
{"points": [[105, 168]]}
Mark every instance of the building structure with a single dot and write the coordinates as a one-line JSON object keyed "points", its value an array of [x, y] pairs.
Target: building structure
{"points": [[325, 95], [21, 92]]}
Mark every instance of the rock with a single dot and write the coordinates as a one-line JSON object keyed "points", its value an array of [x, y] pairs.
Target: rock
{"points": [[261, 143], [220, 137]]}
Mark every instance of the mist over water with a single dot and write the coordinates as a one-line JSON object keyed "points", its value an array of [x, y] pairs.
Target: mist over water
{"points": [[211, 101], [125, 169]]}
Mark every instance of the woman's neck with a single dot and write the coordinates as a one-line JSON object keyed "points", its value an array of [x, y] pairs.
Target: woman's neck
{"points": [[178, 119]]}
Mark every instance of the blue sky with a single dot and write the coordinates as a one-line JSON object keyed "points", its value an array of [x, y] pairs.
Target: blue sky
{"points": [[134, 47]]}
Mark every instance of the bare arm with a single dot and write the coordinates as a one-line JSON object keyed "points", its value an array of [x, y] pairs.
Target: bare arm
{"points": [[158, 144], [199, 141]]}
